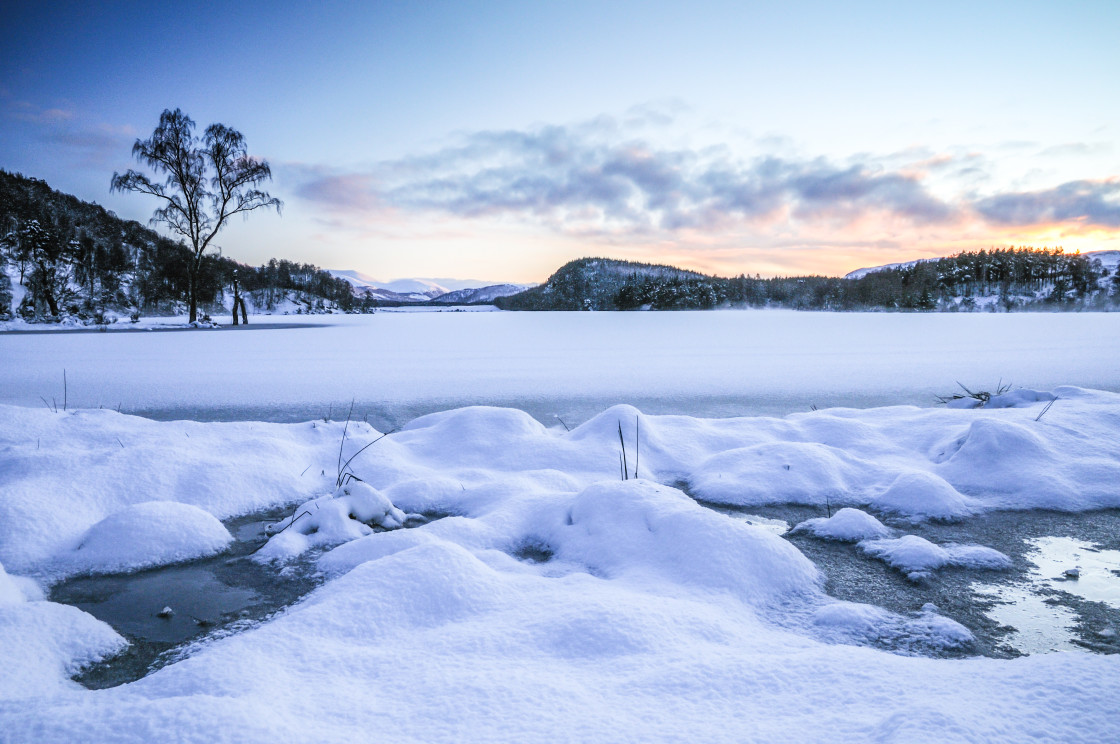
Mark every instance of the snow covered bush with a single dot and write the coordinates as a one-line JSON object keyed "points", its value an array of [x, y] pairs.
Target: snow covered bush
{"points": [[354, 510]]}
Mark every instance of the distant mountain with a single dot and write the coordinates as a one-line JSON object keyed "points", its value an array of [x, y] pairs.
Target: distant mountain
{"points": [[422, 289], [402, 290], [481, 294]]}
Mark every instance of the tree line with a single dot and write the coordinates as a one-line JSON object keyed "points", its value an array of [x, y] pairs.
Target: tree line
{"points": [[997, 279], [79, 259]]}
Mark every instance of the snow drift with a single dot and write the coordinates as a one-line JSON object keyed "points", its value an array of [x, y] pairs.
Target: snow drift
{"points": [[555, 600]]}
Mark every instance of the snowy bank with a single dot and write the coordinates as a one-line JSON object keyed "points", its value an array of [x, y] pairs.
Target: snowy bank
{"points": [[556, 601]]}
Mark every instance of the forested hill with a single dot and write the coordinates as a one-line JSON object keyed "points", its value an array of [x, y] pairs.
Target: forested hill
{"points": [[67, 257], [595, 284], [995, 280]]}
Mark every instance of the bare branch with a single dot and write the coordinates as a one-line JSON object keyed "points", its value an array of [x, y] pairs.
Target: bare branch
{"points": [[205, 183]]}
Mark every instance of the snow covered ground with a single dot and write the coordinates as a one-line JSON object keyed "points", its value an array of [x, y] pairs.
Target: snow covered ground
{"points": [[559, 602], [712, 363]]}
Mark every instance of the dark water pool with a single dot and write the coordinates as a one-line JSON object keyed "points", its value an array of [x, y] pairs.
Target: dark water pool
{"points": [[207, 596]]}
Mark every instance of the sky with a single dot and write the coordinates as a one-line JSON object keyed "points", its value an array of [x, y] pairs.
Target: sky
{"points": [[497, 140]]}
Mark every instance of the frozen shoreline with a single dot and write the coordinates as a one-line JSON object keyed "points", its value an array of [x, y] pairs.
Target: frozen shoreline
{"points": [[639, 613]]}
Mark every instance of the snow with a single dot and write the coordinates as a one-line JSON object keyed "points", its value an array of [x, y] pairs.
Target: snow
{"points": [[43, 643], [921, 495], [918, 558], [350, 512], [422, 289], [149, 534], [848, 525], [654, 618], [859, 623], [64, 473], [860, 273], [482, 294]]}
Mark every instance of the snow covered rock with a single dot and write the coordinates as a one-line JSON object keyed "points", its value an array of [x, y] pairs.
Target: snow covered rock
{"points": [[848, 524], [153, 533]]}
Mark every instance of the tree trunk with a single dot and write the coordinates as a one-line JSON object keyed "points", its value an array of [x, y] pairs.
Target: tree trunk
{"points": [[244, 314], [192, 298]]}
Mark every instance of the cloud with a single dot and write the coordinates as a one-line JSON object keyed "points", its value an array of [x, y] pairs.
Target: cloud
{"points": [[341, 192], [602, 180], [1084, 203], [91, 144], [29, 112], [592, 178]]}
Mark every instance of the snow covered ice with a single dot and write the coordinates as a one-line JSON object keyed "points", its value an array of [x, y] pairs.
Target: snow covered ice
{"points": [[918, 557], [642, 614], [712, 363]]}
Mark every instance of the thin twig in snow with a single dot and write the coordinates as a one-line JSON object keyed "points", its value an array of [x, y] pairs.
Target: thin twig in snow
{"points": [[625, 465], [343, 442], [346, 464]]}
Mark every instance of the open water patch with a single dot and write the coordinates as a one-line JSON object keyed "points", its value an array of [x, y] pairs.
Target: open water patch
{"points": [[1034, 606], [206, 596]]}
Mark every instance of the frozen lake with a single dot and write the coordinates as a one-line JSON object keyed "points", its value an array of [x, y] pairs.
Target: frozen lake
{"points": [[398, 365]]}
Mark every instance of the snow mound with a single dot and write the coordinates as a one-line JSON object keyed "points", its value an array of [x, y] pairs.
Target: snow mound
{"points": [[921, 495], [1028, 464], [153, 533], [780, 472], [42, 643], [354, 510], [636, 526], [848, 524], [918, 558], [16, 589], [1021, 398], [851, 622]]}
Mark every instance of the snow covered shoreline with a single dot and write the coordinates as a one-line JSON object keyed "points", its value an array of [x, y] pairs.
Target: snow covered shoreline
{"points": [[652, 618]]}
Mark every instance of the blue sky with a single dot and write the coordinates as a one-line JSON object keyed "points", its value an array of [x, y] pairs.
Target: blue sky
{"points": [[498, 140]]}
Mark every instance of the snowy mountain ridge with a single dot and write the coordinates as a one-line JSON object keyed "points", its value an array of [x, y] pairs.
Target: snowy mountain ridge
{"points": [[417, 289], [481, 294]]}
